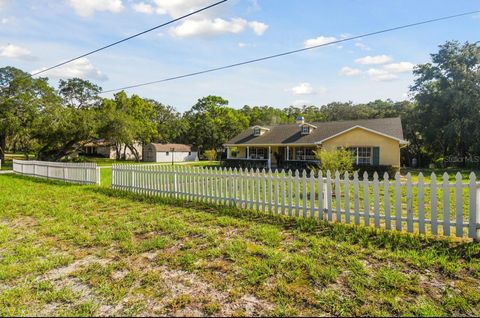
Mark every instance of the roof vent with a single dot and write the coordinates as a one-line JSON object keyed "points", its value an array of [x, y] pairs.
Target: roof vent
{"points": [[300, 120]]}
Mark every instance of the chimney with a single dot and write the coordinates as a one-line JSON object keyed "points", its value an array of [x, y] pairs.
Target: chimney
{"points": [[300, 120]]}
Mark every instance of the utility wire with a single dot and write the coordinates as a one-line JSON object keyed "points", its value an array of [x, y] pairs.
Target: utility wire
{"points": [[130, 37], [293, 52]]}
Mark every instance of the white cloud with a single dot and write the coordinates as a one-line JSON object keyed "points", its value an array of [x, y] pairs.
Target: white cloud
{"points": [[348, 71], [207, 27], [319, 41], [79, 68], [176, 8], [381, 75], [87, 8], [206, 23], [306, 89], [401, 67], [4, 20], [377, 59], [258, 27], [362, 46], [16, 52], [242, 45], [143, 7]]}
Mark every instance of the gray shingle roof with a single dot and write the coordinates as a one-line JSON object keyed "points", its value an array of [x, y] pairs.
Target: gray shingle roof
{"points": [[176, 147], [290, 133]]}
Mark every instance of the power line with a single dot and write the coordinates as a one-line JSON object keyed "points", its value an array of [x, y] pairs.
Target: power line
{"points": [[131, 37], [292, 52]]}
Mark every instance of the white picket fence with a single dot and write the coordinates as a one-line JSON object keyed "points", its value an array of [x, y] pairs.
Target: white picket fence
{"points": [[448, 209], [83, 173]]}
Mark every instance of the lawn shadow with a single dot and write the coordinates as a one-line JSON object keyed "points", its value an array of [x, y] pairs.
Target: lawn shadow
{"points": [[44, 180], [340, 232]]}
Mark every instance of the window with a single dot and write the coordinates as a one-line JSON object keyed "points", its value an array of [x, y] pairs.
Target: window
{"points": [[167, 153], [189, 153], [256, 131], [258, 153], [361, 155], [305, 130], [303, 154]]}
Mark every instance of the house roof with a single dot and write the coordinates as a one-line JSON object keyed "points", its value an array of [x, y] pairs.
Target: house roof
{"points": [[176, 147], [291, 133]]}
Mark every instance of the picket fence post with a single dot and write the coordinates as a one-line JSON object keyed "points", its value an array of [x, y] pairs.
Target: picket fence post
{"points": [[278, 192]]}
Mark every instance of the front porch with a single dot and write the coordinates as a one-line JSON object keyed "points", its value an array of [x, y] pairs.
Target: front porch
{"points": [[271, 157]]}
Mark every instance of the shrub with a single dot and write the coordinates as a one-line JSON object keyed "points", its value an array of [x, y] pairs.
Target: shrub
{"points": [[211, 155], [340, 160], [381, 169]]}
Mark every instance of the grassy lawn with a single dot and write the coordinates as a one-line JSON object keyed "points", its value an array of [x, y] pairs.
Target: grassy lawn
{"points": [[101, 162], [106, 172], [439, 173], [81, 250]]}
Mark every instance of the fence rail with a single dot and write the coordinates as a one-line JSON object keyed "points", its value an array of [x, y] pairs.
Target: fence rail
{"points": [[437, 208], [84, 173]]}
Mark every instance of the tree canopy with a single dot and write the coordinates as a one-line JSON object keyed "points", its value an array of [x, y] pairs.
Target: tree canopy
{"points": [[441, 121]]}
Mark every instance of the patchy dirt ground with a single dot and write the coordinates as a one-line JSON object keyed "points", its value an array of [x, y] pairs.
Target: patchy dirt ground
{"points": [[68, 250], [184, 293]]}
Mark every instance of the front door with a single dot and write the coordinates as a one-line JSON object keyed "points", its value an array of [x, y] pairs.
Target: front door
{"points": [[282, 152]]}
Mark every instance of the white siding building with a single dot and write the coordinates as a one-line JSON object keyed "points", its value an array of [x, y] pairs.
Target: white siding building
{"points": [[169, 152], [107, 149]]}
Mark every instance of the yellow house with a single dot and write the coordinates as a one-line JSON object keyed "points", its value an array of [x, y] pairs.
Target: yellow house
{"points": [[372, 142]]}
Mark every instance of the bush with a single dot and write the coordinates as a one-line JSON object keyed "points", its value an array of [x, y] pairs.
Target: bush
{"points": [[337, 160], [381, 169], [211, 155], [245, 164]]}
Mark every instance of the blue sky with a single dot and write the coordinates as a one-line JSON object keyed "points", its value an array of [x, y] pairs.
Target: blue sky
{"points": [[38, 33]]}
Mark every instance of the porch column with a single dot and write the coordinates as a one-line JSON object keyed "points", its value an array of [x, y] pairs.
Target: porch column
{"points": [[228, 152], [248, 152], [269, 157], [288, 153]]}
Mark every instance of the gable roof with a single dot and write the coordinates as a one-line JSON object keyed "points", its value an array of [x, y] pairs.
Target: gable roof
{"points": [[291, 133], [168, 147]]}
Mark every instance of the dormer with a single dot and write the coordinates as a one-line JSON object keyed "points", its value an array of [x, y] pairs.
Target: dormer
{"points": [[306, 128], [259, 130]]}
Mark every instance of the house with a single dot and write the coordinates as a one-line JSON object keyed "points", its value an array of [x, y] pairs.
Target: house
{"points": [[169, 153], [372, 142], [109, 149]]}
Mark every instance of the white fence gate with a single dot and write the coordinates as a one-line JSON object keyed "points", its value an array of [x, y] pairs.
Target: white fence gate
{"points": [[84, 173], [437, 208]]}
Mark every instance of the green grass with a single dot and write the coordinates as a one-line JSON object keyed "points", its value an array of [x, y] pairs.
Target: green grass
{"points": [[83, 250]]}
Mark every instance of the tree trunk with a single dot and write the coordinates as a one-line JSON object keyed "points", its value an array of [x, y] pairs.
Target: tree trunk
{"points": [[135, 152], [117, 151], [3, 146]]}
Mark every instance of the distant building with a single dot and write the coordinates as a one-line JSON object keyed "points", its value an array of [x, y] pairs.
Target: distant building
{"points": [[371, 141], [169, 152], [108, 149]]}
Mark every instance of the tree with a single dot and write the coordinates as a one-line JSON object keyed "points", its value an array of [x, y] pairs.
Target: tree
{"points": [[211, 154], [170, 125], [126, 121], [62, 127], [79, 93], [211, 123], [22, 99], [447, 92], [264, 115]]}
